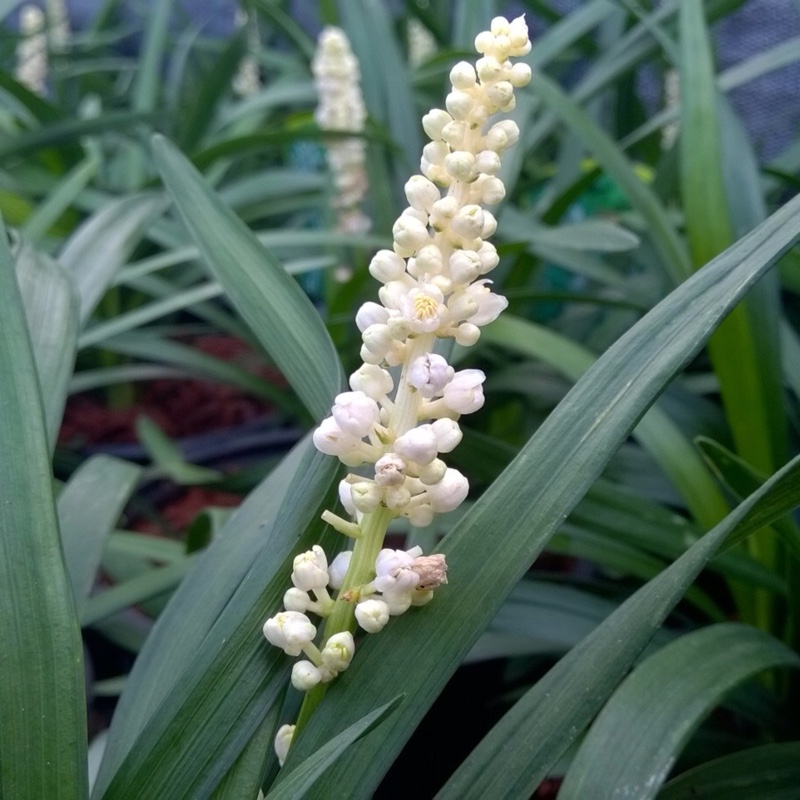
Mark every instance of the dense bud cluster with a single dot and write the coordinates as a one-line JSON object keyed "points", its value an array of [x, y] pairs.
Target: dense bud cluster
{"points": [[341, 109], [31, 64], [394, 427]]}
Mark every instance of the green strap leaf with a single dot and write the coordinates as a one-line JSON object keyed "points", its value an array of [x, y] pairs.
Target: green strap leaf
{"points": [[656, 432], [642, 729], [497, 540], [528, 741], [43, 732], [745, 351], [307, 773], [616, 164], [88, 508], [271, 302], [103, 244], [206, 678], [771, 772], [51, 308]]}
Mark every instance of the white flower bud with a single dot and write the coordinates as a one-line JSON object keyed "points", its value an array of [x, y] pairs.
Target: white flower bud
{"points": [[489, 224], [338, 569], [366, 496], [518, 35], [459, 104], [489, 70], [520, 75], [460, 165], [296, 600], [392, 293], [418, 444], [355, 413], [396, 498], [409, 235], [449, 492], [462, 305], [429, 374], [371, 314], [465, 266], [435, 152], [372, 615], [435, 173], [464, 394], [398, 328], [454, 134], [488, 256], [433, 472], [377, 339], [310, 569], [397, 602], [421, 597], [429, 260], [462, 76], [500, 27], [511, 130], [500, 93], [468, 222], [421, 193], [496, 139], [305, 676], [487, 162], [493, 191], [329, 438], [420, 516], [386, 266], [448, 434], [443, 211], [484, 42], [434, 121], [373, 381], [338, 651], [283, 740], [290, 630], [467, 334], [390, 470], [442, 283]]}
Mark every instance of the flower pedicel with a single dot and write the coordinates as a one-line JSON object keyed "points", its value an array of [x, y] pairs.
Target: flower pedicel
{"points": [[434, 286]]}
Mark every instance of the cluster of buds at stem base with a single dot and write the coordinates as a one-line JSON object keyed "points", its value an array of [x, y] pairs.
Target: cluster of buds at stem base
{"points": [[394, 426]]}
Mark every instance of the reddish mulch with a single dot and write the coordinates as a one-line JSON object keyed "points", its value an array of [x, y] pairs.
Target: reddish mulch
{"points": [[548, 789], [180, 407]]}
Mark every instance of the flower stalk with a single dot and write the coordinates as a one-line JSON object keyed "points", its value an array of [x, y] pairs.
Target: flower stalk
{"points": [[393, 428]]}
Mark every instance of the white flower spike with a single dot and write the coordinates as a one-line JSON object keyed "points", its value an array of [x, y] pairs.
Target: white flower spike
{"points": [[396, 427]]}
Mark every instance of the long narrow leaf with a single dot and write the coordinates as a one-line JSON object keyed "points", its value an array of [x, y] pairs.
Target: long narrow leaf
{"points": [[528, 741], [304, 777], [655, 431], [280, 315], [51, 308], [770, 772], [494, 543], [43, 732], [104, 242], [641, 731], [88, 508], [207, 679]]}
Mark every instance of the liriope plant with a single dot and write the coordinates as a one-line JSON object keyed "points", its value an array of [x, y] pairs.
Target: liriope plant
{"points": [[434, 287]]}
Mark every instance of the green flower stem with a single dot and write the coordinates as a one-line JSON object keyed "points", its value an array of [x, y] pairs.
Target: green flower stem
{"points": [[403, 417]]}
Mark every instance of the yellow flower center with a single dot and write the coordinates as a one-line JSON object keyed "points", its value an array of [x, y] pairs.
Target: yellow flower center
{"points": [[425, 306]]}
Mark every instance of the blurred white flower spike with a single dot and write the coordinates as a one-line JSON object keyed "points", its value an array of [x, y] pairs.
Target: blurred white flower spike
{"points": [[394, 430], [341, 110]]}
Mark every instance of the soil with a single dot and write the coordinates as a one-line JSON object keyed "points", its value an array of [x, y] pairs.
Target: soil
{"points": [[182, 408]]}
